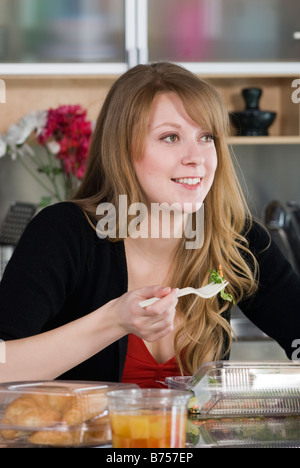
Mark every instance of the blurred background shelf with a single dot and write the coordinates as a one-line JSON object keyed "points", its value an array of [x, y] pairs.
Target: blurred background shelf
{"points": [[265, 140]]}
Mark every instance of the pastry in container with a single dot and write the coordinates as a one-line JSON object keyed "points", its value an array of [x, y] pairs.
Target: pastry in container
{"points": [[243, 404], [55, 413]]}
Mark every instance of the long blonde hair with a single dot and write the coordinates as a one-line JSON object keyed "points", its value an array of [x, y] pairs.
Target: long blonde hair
{"points": [[118, 137]]}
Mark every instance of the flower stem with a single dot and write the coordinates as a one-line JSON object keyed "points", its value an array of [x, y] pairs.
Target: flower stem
{"points": [[52, 177], [31, 172]]}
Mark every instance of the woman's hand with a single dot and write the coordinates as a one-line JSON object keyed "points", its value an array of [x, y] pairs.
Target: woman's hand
{"points": [[150, 323], [39, 357]]}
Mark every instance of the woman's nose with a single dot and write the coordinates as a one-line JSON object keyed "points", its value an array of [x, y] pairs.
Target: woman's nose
{"points": [[193, 155]]}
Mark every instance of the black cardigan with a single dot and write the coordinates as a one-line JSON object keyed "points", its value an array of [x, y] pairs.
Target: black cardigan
{"points": [[60, 271]]}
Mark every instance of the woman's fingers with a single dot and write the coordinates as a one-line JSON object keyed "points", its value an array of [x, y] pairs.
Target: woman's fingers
{"points": [[159, 317], [149, 292], [150, 322], [167, 299]]}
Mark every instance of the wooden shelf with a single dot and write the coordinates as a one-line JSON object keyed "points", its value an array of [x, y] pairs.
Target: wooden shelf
{"points": [[276, 97], [43, 91], [265, 140]]}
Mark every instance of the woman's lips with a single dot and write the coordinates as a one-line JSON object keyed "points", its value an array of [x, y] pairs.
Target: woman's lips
{"points": [[190, 183]]}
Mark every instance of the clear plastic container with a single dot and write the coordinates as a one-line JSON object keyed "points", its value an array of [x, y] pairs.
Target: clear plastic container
{"points": [[55, 413], [240, 403], [250, 431], [148, 418]]}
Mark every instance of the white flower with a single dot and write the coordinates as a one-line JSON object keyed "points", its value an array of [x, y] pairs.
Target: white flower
{"points": [[25, 127], [41, 120], [10, 138], [18, 134], [2, 146], [12, 135], [53, 146]]}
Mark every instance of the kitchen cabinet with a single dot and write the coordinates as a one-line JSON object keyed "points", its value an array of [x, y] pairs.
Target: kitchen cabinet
{"points": [[55, 36], [231, 43], [224, 30], [65, 31], [210, 33]]}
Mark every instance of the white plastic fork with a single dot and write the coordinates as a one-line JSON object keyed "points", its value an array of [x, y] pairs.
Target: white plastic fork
{"points": [[210, 290]]}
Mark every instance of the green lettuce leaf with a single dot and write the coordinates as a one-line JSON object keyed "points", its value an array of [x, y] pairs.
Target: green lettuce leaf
{"points": [[215, 277]]}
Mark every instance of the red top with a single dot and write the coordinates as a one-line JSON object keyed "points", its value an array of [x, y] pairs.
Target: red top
{"points": [[142, 369]]}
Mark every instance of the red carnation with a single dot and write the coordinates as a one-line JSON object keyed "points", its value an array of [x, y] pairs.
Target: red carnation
{"points": [[67, 125]]}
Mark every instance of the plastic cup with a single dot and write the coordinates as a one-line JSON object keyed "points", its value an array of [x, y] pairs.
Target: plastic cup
{"points": [[148, 418]]}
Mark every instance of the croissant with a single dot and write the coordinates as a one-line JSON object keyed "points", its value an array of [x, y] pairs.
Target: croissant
{"points": [[56, 402], [98, 430], [25, 411], [46, 410], [92, 434], [85, 407], [10, 433], [56, 438]]}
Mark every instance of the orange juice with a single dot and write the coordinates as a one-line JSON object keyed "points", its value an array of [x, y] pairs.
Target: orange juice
{"points": [[148, 418], [149, 429]]}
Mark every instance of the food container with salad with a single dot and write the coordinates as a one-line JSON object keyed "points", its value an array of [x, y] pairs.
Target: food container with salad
{"points": [[243, 404]]}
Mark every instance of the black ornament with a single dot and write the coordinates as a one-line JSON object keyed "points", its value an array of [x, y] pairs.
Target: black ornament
{"points": [[252, 121]]}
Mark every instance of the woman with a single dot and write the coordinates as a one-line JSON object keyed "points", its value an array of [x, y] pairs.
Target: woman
{"points": [[70, 296]]}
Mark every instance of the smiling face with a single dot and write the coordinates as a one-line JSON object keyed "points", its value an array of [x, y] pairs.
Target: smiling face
{"points": [[179, 159]]}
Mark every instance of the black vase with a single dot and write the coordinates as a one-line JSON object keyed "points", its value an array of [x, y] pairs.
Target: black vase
{"points": [[252, 121]]}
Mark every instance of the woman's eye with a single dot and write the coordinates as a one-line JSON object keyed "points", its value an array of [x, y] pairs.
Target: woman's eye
{"points": [[170, 138], [208, 138]]}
